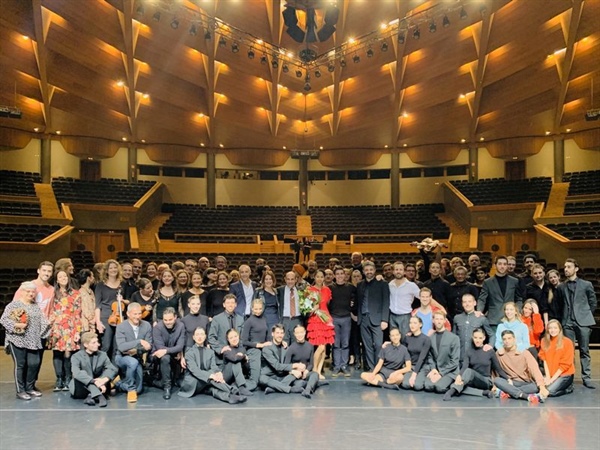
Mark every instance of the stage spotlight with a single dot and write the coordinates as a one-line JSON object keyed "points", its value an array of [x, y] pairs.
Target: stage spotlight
{"points": [[207, 35], [370, 53], [222, 42], [156, 16], [416, 34], [356, 59], [401, 38], [318, 73], [285, 68], [463, 14], [307, 86], [432, 27], [342, 63], [235, 47], [175, 23], [330, 67], [275, 63], [193, 30], [384, 46], [251, 53], [299, 73], [263, 60], [446, 21]]}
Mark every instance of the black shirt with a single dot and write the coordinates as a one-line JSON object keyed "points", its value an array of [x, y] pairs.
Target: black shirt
{"points": [[342, 300], [255, 331]]}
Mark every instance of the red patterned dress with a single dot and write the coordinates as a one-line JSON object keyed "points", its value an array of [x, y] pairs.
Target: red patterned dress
{"points": [[320, 333], [66, 322]]}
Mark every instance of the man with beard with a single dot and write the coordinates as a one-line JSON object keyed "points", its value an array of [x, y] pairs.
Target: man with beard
{"points": [[309, 276], [402, 295], [169, 342], [341, 306], [373, 297], [456, 291]]}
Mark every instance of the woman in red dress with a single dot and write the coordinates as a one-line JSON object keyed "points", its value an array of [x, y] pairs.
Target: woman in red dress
{"points": [[320, 333]]}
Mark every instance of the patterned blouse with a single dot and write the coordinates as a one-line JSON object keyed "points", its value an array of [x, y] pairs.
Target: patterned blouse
{"points": [[88, 309], [37, 328]]}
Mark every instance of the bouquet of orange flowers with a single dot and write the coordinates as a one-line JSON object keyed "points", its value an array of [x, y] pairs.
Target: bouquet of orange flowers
{"points": [[19, 315], [309, 301]]}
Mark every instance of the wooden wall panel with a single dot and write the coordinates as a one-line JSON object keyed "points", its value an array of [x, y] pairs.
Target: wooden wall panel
{"points": [[433, 154], [11, 139], [508, 148], [349, 157], [84, 147], [172, 154], [257, 157]]}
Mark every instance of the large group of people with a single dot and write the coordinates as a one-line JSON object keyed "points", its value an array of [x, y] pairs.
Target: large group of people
{"points": [[438, 326]]}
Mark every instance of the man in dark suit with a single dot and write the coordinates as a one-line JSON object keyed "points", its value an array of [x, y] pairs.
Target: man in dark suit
{"points": [[243, 291], [92, 372], [580, 302], [202, 374], [445, 350], [275, 374], [498, 290], [134, 339], [289, 306], [221, 324], [373, 298]]}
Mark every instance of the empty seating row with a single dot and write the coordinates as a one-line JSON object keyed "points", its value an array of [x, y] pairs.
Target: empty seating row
{"points": [[574, 208], [103, 192], [82, 259], [497, 191], [382, 238], [20, 208], [18, 183], [214, 239], [26, 233], [578, 231], [253, 220], [344, 221], [583, 183]]}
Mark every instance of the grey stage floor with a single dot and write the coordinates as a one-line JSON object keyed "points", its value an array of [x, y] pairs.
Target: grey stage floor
{"points": [[343, 415]]}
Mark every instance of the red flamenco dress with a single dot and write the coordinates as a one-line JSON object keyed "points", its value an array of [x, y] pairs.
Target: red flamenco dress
{"points": [[319, 332]]}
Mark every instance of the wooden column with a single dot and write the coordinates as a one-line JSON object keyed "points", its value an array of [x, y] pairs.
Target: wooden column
{"points": [[45, 160], [395, 180], [211, 175], [559, 160]]}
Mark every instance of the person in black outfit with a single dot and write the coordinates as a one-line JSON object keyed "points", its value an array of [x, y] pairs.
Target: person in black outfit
{"points": [[475, 377], [394, 362], [418, 346], [456, 291], [145, 296], [539, 289], [168, 338], [440, 288], [341, 305], [236, 365], [373, 299], [301, 351], [255, 337], [275, 374], [194, 320]]}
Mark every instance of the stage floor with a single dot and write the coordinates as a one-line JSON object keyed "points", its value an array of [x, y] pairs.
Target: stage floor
{"points": [[344, 415]]}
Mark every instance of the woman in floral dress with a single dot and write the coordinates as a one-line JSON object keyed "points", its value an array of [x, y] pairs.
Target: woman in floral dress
{"points": [[66, 328]]}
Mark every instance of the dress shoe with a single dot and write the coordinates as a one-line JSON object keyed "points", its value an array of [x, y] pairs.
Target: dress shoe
{"points": [[102, 401], [131, 397], [589, 384], [23, 396], [346, 371], [167, 393], [336, 373], [34, 393], [89, 401]]}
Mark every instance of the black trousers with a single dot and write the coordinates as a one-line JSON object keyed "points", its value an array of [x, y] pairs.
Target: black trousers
{"points": [[170, 368], [27, 367]]}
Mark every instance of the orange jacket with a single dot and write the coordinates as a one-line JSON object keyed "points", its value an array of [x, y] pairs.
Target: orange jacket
{"points": [[536, 328]]}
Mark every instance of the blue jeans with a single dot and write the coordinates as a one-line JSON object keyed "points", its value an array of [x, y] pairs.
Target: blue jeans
{"points": [[133, 369], [341, 346]]}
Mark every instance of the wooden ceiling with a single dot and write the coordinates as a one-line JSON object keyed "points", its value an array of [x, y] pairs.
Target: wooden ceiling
{"points": [[107, 69]]}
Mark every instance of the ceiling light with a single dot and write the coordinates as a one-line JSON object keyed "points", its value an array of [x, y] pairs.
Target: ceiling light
{"points": [[124, 139], [235, 47], [193, 30], [201, 144], [318, 73], [446, 21], [432, 26], [298, 73], [568, 130], [120, 83], [200, 115], [330, 67], [263, 59], [251, 53], [463, 141], [222, 42], [416, 34], [342, 63], [36, 129], [463, 14], [401, 38], [404, 145], [143, 141], [482, 139], [207, 35], [321, 147], [405, 114], [175, 23], [356, 59], [462, 96], [58, 131], [285, 68], [284, 147], [515, 157], [146, 95], [221, 145], [384, 46], [156, 16], [351, 41], [275, 63], [548, 133], [385, 146]]}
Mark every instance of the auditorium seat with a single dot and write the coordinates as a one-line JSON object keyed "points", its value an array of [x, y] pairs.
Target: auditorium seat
{"points": [[11, 208], [577, 231], [583, 183], [16, 183], [26, 233], [107, 191], [495, 191]]}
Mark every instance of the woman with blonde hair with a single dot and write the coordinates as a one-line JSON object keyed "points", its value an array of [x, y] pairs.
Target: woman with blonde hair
{"points": [[558, 353], [512, 321]]}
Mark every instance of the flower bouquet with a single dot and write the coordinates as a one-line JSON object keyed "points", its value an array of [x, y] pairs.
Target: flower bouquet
{"points": [[19, 315], [309, 301]]}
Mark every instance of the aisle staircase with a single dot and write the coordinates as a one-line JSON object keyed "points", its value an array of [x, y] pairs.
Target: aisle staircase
{"points": [[146, 235], [48, 204], [556, 200]]}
